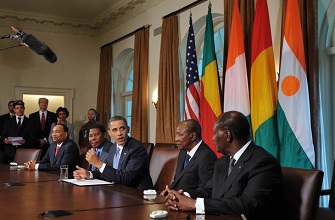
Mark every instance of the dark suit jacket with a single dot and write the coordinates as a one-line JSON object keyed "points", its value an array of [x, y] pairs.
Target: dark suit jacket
{"points": [[27, 131], [104, 153], [35, 119], [68, 154], [3, 118], [197, 172], [133, 169], [253, 188]]}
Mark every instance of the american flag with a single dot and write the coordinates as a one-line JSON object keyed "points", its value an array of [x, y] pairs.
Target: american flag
{"points": [[192, 97]]}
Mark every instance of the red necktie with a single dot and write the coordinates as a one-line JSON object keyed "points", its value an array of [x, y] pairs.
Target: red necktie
{"points": [[57, 149], [43, 120]]}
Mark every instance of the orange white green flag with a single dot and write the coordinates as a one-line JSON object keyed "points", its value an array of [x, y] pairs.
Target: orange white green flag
{"points": [[263, 85], [210, 103], [293, 113], [236, 90]]}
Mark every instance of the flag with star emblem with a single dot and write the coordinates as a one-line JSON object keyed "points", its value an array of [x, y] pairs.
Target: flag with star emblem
{"points": [[293, 113], [192, 96], [210, 102], [263, 85]]}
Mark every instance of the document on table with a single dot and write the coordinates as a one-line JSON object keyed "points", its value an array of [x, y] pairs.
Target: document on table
{"points": [[15, 140], [87, 182]]}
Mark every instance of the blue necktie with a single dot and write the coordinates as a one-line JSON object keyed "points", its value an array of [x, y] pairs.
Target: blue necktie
{"points": [[116, 158], [187, 159]]}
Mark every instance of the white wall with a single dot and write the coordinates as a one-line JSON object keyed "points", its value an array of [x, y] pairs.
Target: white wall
{"points": [[78, 56], [77, 67]]}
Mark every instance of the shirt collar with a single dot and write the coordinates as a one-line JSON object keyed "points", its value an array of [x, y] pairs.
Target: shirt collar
{"points": [[194, 149], [17, 117], [239, 153]]}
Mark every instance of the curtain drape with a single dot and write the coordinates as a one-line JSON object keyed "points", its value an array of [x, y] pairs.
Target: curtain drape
{"points": [[104, 85], [139, 111], [168, 112]]}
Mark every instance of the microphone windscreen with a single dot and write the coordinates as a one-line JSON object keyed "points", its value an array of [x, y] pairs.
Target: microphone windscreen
{"points": [[34, 44], [49, 55]]}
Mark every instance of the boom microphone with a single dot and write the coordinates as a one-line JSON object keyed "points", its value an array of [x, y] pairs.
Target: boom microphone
{"points": [[50, 56], [37, 46]]}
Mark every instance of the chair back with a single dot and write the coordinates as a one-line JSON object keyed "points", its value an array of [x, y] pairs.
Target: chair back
{"points": [[301, 192], [23, 155], [328, 212], [332, 191], [168, 145], [163, 165], [149, 147]]}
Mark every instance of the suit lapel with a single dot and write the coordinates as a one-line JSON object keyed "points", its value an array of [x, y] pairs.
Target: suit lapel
{"points": [[228, 181], [180, 171], [180, 164], [104, 152]]}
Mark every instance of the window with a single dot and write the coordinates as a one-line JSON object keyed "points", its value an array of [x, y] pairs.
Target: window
{"points": [[122, 81], [218, 43]]}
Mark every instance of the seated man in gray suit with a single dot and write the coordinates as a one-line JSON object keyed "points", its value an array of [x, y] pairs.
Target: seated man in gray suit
{"points": [[63, 151], [195, 165], [247, 180], [99, 144], [127, 163]]}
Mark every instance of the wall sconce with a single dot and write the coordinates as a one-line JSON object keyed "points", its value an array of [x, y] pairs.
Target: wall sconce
{"points": [[155, 98]]}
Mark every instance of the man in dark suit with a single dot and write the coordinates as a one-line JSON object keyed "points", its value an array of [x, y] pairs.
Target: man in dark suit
{"points": [[99, 143], [128, 161], [3, 118], [247, 180], [19, 127], [196, 160], [8, 115], [83, 141], [63, 151], [42, 121]]}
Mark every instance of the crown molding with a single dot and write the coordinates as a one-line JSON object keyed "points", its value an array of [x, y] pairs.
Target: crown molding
{"points": [[110, 19]]}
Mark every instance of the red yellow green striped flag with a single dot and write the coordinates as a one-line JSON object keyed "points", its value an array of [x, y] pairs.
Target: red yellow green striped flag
{"points": [[263, 86], [210, 103]]}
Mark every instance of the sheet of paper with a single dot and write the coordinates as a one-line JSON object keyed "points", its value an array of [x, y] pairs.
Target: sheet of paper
{"points": [[87, 182], [15, 140]]}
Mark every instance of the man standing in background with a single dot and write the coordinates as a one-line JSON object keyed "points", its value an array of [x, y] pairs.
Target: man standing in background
{"points": [[83, 141], [20, 128], [42, 121], [3, 118]]}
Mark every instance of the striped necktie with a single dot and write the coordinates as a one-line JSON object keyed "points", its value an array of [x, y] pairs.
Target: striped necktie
{"points": [[231, 164]]}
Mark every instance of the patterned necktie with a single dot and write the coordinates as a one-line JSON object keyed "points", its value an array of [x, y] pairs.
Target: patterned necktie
{"points": [[187, 159], [231, 164], [116, 158], [57, 149], [43, 120]]}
